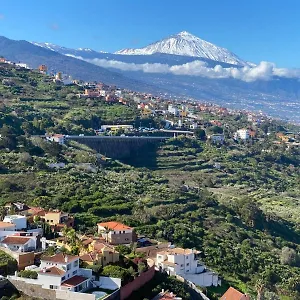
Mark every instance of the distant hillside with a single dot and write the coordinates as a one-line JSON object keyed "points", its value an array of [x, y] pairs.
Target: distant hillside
{"points": [[26, 52]]}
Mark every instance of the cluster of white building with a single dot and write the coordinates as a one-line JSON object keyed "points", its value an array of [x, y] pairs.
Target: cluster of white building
{"points": [[186, 264]]}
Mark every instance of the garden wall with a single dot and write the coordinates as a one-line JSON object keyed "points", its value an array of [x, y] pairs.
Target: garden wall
{"points": [[137, 283]]}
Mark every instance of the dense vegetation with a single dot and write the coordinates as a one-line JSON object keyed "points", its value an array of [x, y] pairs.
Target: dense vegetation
{"points": [[242, 214], [8, 265]]}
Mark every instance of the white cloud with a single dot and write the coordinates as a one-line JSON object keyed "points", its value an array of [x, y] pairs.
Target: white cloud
{"points": [[263, 71]]}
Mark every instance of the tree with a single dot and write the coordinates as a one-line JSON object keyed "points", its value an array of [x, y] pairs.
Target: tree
{"points": [[70, 234], [288, 256], [216, 129], [25, 158], [123, 249], [116, 271], [200, 134]]}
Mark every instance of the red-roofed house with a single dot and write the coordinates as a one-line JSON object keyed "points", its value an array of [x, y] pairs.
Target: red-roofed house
{"points": [[166, 296], [233, 294], [19, 243], [6, 226], [116, 233], [58, 138], [100, 253]]}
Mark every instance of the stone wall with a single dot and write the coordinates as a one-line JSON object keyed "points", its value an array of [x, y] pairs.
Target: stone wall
{"points": [[33, 290], [36, 291]]}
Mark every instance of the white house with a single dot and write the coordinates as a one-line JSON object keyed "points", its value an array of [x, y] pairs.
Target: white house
{"points": [[19, 221], [185, 263], [217, 138], [194, 126], [177, 261], [22, 65], [58, 138], [173, 110], [19, 243], [242, 134], [7, 226], [60, 272]]}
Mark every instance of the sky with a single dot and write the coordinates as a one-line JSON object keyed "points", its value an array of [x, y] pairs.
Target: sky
{"points": [[255, 30]]}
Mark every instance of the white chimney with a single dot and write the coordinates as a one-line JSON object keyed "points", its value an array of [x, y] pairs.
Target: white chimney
{"points": [[66, 258]]}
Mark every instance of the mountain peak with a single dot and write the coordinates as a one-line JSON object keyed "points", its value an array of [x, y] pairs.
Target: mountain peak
{"points": [[183, 33], [187, 44]]}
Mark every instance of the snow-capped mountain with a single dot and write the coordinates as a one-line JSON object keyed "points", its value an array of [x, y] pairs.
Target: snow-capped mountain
{"points": [[186, 44], [64, 50]]}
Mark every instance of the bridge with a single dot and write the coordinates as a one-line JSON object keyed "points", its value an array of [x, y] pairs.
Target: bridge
{"points": [[119, 147]]}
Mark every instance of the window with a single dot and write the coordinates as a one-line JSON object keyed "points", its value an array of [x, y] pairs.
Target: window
{"points": [[181, 265], [63, 278], [74, 272], [104, 258], [120, 232], [53, 287], [69, 267], [75, 263], [123, 231], [187, 264]]}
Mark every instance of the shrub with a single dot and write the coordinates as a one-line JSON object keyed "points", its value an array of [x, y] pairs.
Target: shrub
{"points": [[28, 274]]}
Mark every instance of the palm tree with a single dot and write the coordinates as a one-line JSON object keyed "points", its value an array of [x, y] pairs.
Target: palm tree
{"points": [[260, 286], [2, 213]]}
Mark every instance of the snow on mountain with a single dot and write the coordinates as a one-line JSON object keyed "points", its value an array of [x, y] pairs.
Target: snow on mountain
{"points": [[64, 50], [186, 44]]}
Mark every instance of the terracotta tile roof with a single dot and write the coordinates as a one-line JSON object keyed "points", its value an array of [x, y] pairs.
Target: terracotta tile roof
{"points": [[15, 240], [74, 281], [165, 296], [60, 258], [6, 224], [89, 257], [114, 225], [87, 241], [168, 296], [36, 211], [233, 294], [53, 271], [171, 251], [169, 263]]}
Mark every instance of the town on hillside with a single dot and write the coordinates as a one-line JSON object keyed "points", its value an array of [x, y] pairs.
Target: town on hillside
{"points": [[49, 256]]}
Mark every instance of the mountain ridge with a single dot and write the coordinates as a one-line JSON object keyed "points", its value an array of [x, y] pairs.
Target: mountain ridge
{"points": [[187, 44]]}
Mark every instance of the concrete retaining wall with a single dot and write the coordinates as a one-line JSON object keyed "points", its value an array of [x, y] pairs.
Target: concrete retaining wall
{"points": [[108, 283], [33, 290], [67, 295], [36, 291]]}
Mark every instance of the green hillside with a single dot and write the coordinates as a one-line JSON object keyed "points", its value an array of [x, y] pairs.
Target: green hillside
{"points": [[243, 215]]}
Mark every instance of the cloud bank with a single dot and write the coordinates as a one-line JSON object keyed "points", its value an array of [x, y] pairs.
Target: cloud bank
{"points": [[263, 71]]}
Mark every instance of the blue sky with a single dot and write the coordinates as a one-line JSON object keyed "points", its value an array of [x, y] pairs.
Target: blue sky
{"points": [[255, 30]]}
